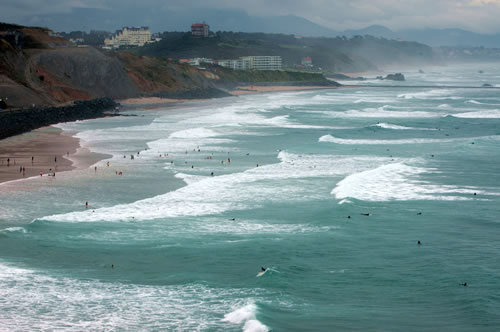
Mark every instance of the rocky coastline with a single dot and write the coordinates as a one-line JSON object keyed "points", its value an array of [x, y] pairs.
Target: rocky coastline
{"points": [[18, 121]]}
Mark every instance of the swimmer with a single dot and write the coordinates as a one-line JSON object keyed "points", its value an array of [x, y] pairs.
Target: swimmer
{"points": [[86, 205], [463, 284], [212, 174], [263, 269], [419, 214], [418, 242], [366, 214], [233, 219], [348, 217]]}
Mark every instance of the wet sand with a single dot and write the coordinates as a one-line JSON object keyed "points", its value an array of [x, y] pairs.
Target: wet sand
{"points": [[52, 150], [151, 101]]}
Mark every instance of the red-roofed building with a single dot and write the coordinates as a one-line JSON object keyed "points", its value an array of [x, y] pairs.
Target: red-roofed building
{"points": [[200, 29], [307, 62]]}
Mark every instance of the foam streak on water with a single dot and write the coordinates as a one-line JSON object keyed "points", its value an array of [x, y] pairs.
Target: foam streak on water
{"points": [[332, 188]]}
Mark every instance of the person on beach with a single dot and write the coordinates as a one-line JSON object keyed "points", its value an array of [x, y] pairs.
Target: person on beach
{"points": [[8, 161], [32, 159], [55, 159], [95, 169], [20, 169]]}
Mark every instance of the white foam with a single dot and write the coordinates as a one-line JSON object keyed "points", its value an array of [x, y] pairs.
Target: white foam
{"points": [[396, 181], [246, 315], [380, 112], [332, 139], [189, 178], [488, 114], [397, 127], [194, 133], [480, 103], [237, 191], [438, 94], [14, 229], [32, 300]]}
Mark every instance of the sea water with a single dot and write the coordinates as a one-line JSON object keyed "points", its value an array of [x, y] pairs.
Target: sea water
{"points": [[328, 189]]}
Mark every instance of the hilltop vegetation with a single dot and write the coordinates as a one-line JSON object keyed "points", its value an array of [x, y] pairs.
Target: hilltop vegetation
{"points": [[42, 69], [338, 54]]}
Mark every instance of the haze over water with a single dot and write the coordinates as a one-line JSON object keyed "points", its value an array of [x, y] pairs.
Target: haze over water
{"points": [[186, 246]]}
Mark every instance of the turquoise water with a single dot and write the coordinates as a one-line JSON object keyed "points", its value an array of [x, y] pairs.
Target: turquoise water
{"points": [[167, 246]]}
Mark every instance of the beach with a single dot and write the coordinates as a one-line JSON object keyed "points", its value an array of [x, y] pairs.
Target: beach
{"points": [[46, 150]]}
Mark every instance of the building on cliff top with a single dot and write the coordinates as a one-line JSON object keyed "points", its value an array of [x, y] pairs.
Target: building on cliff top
{"points": [[129, 37], [200, 29], [261, 62]]}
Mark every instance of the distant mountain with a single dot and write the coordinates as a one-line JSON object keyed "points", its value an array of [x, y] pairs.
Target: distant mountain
{"points": [[373, 30], [432, 37], [86, 19], [452, 37], [239, 21]]}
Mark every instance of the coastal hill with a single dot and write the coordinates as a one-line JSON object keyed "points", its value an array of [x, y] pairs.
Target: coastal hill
{"points": [[338, 54], [39, 68]]}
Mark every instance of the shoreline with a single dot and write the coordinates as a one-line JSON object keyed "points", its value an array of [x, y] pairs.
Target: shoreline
{"points": [[52, 149], [236, 92], [55, 150]]}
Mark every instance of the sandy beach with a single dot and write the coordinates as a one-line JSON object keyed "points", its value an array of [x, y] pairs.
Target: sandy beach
{"points": [[44, 150], [238, 91], [54, 150], [151, 101]]}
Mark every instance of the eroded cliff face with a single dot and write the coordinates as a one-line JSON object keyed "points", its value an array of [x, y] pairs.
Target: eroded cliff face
{"points": [[79, 73], [48, 71]]}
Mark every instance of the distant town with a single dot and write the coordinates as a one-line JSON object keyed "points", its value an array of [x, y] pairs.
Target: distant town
{"points": [[131, 37]]}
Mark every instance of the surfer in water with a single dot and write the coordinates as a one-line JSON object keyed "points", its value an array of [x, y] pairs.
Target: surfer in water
{"points": [[263, 269]]}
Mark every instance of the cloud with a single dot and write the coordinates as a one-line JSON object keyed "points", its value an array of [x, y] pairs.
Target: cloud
{"points": [[477, 15]]}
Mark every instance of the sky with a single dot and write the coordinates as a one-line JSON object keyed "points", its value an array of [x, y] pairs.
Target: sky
{"points": [[475, 15]]}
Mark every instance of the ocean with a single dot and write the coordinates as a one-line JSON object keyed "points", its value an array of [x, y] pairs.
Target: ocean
{"points": [[328, 190]]}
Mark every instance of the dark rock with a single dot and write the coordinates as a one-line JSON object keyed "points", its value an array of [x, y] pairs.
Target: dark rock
{"points": [[343, 77], [14, 122], [395, 77]]}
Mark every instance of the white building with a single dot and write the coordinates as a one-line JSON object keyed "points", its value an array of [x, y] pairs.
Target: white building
{"points": [[265, 62], [129, 37]]}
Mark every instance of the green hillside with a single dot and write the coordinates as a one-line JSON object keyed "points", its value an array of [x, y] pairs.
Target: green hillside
{"points": [[330, 54]]}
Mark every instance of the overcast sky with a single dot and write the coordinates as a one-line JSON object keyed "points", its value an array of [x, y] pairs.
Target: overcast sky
{"points": [[475, 15]]}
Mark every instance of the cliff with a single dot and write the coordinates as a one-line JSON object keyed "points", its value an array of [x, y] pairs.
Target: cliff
{"points": [[39, 69]]}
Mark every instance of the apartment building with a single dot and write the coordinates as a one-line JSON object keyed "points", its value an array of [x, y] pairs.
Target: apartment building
{"points": [[129, 37]]}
